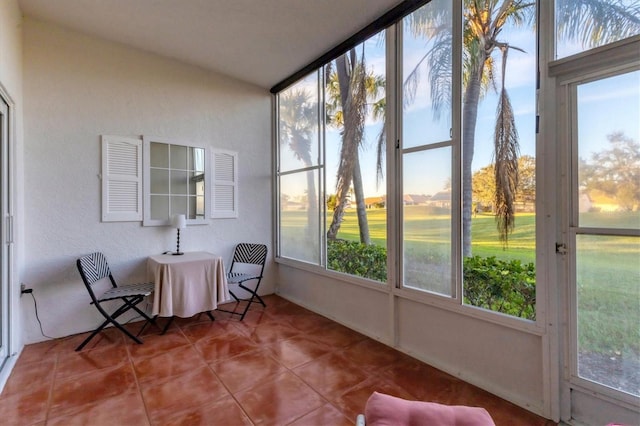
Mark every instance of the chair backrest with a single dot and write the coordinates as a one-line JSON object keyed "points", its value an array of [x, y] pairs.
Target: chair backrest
{"points": [[94, 267], [253, 254]]}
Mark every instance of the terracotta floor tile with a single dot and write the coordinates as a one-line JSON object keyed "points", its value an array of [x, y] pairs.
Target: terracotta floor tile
{"points": [[424, 382], [306, 322], [272, 332], [173, 362], [89, 361], [107, 337], [225, 411], [287, 309], [201, 318], [39, 351], [325, 415], [31, 376], [247, 370], [210, 330], [157, 343], [126, 409], [71, 395], [279, 401], [24, 408], [371, 355], [331, 374], [170, 395], [282, 365], [252, 320], [354, 401], [298, 350], [338, 335], [222, 348]]}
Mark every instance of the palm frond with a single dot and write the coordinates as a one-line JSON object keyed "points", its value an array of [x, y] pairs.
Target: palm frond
{"points": [[596, 22], [507, 150]]}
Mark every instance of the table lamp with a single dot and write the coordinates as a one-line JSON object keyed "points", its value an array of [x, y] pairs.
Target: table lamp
{"points": [[178, 221]]}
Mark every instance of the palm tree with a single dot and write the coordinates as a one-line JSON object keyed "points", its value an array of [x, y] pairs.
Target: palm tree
{"points": [[349, 88], [591, 22], [298, 122]]}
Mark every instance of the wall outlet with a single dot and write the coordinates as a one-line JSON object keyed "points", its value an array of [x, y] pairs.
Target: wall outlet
{"points": [[24, 289]]}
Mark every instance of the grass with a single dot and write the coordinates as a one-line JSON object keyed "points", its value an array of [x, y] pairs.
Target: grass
{"points": [[608, 267]]}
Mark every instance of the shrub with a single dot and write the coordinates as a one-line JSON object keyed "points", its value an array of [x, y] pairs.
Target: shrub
{"points": [[506, 286], [500, 285], [351, 257]]}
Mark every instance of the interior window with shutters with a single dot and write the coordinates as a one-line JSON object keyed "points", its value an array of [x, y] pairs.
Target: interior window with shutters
{"points": [[121, 179], [175, 182]]}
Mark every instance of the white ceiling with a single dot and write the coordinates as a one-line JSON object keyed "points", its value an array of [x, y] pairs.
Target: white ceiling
{"points": [[258, 41]]}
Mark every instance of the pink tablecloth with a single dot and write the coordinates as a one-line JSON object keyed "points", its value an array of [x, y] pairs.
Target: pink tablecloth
{"points": [[188, 284]]}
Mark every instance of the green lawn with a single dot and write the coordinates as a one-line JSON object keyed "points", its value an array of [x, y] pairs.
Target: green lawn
{"points": [[608, 268]]}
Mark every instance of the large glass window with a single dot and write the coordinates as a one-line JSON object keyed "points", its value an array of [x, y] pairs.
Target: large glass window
{"points": [[355, 161], [461, 184], [498, 158], [585, 25], [427, 148], [300, 169]]}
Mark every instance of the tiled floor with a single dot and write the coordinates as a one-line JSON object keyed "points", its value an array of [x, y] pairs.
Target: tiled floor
{"points": [[282, 365]]}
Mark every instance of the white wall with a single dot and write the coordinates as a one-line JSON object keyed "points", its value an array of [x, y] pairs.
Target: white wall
{"points": [[502, 360], [77, 88], [11, 86]]}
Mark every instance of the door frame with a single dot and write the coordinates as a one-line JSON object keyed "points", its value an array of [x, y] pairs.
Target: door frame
{"points": [[7, 238], [578, 398]]}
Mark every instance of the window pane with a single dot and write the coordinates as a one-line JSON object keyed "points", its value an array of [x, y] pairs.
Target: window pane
{"points": [[159, 155], [594, 24], [608, 319], [179, 157], [299, 217], [159, 207], [298, 125], [609, 152], [499, 166], [426, 74], [179, 182], [159, 181], [426, 215], [356, 189]]}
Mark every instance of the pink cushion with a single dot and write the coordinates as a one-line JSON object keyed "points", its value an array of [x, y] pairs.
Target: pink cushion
{"points": [[387, 410]]}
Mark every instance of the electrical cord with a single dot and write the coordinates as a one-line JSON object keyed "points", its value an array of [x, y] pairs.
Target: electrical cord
{"points": [[35, 305]]}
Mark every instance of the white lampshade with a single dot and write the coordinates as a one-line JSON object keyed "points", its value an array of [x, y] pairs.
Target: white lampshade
{"points": [[179, 221]]}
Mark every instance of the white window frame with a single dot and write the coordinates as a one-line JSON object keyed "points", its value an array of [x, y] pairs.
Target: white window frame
{"points": [[148, 221]]}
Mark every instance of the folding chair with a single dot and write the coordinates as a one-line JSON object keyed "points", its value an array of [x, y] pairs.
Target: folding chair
{"points": [[93, 268], [245, 255]]}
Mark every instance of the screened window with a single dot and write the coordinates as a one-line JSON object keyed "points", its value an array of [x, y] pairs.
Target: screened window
{"points": [[427, 149], [356, 213], [590, 24], [424, 130], [300, 171]]}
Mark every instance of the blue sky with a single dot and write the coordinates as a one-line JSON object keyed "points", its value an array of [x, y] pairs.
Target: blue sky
{"points": [[419, 120], [606, 107]]}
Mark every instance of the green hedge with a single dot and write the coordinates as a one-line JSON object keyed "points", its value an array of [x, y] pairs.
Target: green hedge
{"points": [[507, 286], [500, 285], [351, 257]]}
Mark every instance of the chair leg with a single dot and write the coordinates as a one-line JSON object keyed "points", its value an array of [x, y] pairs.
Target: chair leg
{"points": [[102, 326], [129, 304], [254, 293], [166, 327]]}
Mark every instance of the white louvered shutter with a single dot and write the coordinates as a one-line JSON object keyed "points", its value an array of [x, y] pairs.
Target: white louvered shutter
{"points": [[121, 179], [224, 193]]}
